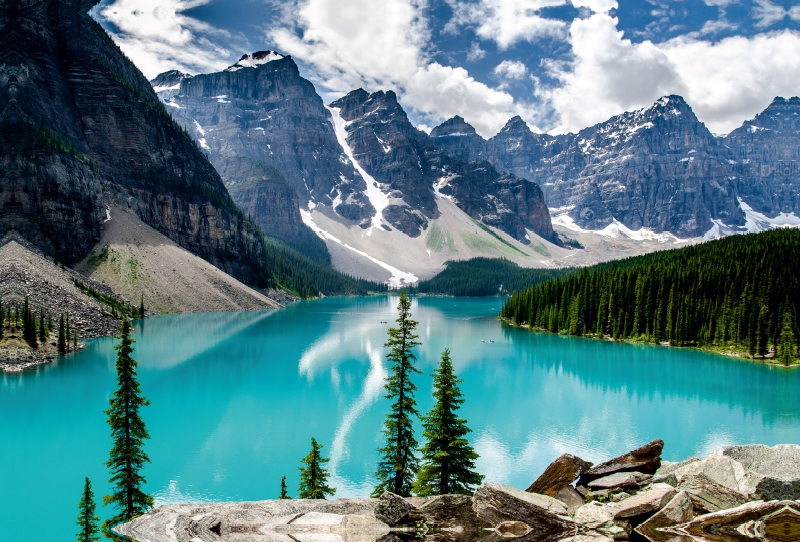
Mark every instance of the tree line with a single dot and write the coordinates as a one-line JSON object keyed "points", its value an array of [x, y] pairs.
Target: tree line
{"points": [[485, 277], [36, 328], [741, 293]]}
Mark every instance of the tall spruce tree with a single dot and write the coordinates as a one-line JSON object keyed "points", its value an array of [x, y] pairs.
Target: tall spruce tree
{"points": [[314, 476], [284, 490], [448, 459], [62, 336], [398, 465], [128, 432], [87, 519], [141, 306], [788, 348], [28, 325]]}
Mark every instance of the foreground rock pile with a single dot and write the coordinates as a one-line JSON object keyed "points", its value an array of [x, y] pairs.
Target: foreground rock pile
{"points": [[736, 494]]}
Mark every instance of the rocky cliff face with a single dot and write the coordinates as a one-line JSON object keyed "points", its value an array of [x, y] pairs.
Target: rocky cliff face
{"points": [[412, 172], [657, 168], [263, 194], [260, 108], [81, 125], [767, 152]]}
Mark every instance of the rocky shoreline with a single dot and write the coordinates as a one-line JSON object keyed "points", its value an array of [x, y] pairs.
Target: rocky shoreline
{"points": [[736, 494]]}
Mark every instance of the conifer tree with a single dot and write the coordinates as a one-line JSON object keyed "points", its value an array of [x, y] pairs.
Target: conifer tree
{"points": [[141, 307], [87, 519], [67, 334], [314, 476], [128, 432], [448, 459], [42, 328], [284, 490], [762, 331], [28, 325], [62, 336], [788, 348], [2, 319], [74, 340], [398, 464]]}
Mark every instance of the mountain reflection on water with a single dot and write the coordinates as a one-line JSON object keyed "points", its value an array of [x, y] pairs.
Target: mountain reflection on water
{"points": [[236, 397]]}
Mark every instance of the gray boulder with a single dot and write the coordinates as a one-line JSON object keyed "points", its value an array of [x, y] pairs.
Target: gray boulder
{"points": [[678, 510], [645, 502], [773, 472], [709, 496], [571, 498], [391, 508]]}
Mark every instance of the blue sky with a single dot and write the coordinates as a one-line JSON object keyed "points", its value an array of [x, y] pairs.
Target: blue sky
{"points": [[560, 64]]}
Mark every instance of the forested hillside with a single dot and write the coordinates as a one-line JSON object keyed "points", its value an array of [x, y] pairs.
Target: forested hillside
{"points": [[740, 292], [485, 277], [306, 278]]}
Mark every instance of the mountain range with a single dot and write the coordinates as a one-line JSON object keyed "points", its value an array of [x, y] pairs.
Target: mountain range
{"points": [[381, 192]]}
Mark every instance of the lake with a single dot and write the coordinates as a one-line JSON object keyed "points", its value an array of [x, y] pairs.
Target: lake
{"points": [[236, 397]]}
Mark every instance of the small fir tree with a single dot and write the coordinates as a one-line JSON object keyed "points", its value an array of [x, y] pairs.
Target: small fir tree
{"points": [[74, 340], [788, 347], [42, 328], [28, 325], [762, 332], [62, 336], [128, 432], [448, 459], [87, 519], [141, 307], [66, 331], [398, 464], [284, 490], [314, 476]]}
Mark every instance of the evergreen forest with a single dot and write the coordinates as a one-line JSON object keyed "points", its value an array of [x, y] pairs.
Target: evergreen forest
{"points": [[739, 293], [485, 277]]}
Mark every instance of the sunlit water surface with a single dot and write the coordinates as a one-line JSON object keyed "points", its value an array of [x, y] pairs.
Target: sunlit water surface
{"points": [[236, 397]]}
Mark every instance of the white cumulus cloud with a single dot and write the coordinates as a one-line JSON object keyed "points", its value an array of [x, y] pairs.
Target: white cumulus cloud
{"points": [[347, 44], [725, 82], [506, 21], [511, 69], [157, 36]]}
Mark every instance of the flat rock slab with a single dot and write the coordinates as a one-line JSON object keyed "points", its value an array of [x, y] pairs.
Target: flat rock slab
{"points": [[620, 480], [571, 499], [774, 521], [708, 496], [645, 502], [559, 474], [646, 460], [547, 517]]}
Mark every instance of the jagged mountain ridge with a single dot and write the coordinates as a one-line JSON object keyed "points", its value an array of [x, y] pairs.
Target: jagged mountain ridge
{"points": [[658, 168], [272, 115], [82, 127]]}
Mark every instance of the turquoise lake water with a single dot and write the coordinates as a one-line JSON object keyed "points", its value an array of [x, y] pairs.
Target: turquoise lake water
{"points": [[236, 397]]}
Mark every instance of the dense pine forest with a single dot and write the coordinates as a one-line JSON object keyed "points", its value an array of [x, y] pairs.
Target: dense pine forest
{"points": [[739, 293], [485, 277], [307, 278]]}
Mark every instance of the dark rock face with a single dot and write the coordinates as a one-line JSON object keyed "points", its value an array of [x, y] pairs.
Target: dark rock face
{"points": [[410, 169], [767, 152], [260, 108], [262, 193], [80, 124], [657, 168], [645, 459], [559, 474]]}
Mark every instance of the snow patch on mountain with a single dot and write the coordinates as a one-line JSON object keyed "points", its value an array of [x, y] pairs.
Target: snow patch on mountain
{"points": [[617, 230], [376, 197], [757, 222], [256, 59], [398, 279]]}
